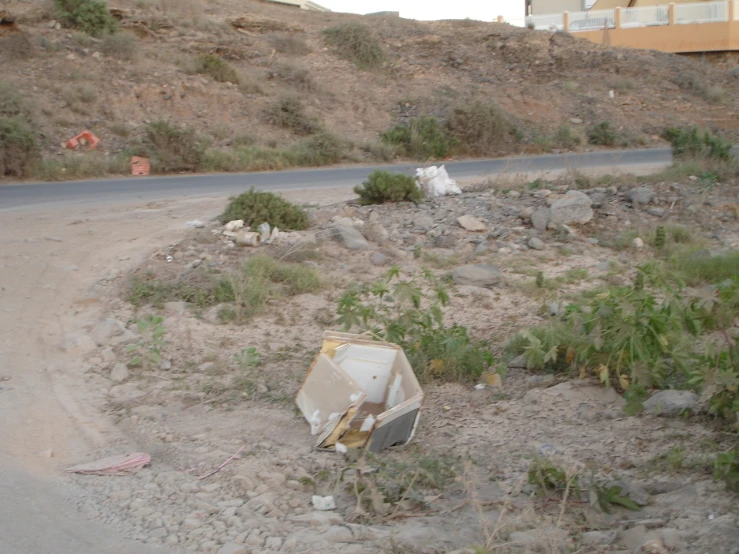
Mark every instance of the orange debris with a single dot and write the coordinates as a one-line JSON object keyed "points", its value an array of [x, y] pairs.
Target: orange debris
{"points": [[85, 137], [140, 166]]}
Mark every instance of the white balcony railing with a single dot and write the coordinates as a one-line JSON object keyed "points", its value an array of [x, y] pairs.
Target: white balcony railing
{"points": [[705, 12], [553, 22], [592, 20], [648, 16]]}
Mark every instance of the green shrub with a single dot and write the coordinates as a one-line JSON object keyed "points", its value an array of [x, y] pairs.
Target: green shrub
{"points": [[568, 137], [217, 68], [692, 143], [174, 148], [323, 148], [256, 207], [89, 16], [602, 134], [382, 186], [409, 313], [701, 268], [18, 147], [71, 166], [287, 112], [726, 468], [479, 128], [423, 138], [356, 43], [717, 373], [122, 46]]}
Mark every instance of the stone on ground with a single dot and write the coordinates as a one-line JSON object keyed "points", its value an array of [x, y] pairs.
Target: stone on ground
{"points": [[573, 207], [477, 275]]}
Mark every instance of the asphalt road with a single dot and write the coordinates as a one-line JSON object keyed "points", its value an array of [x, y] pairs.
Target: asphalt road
{"points": [[152, 188]]}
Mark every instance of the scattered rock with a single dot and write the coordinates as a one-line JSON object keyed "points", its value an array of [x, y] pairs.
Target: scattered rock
{"points": [[78, 344], [376, 233], [539, 381], [470, 223], [536, 243], [525, 214], [637, 244], [641, 195], [636, 492], [119, 373], [445, 241], [111, 332], [633, 538], [350, 237], [540, 219], [483, 247], [232, 548], [594, 538], [108, 355], [573, 207], [477, 275], [519, 362], [671, 403], [378, 258]]}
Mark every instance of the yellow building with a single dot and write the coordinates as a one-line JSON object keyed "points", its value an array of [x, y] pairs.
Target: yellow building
{"points": [[610, 4]]}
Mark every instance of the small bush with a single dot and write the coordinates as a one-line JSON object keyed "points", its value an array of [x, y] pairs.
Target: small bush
{"points": [[217, 68], [714, 94], [382, 186], [297, 77], [323, 148], [479, 128], [356, 43], [249, 84], [89, 16], [12, 104], [621, 84], [256, 207], [120, 129], [568, 137], [602, 134], [691, 143], [288, 112], [409, 313], [697, 268], [291, 45], [122, 46], [174, 148], [423, 138], [18, 147], [72, 166]]}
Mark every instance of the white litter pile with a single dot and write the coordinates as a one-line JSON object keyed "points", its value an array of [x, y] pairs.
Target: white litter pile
{"points": [[236, 233], [435, 181]]}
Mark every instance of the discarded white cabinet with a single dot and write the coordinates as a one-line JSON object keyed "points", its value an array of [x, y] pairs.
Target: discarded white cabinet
{"points": [[360, 393]]}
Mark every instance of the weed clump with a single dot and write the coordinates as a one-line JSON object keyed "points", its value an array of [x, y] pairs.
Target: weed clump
{"points": [[122, 46], [257, 207], [423, 138], [602, 134], [409, 313], [323, 148], [479, 127], [356, 43], [291, 45], [19, 149], [288, 112], [89, 16], [382, 186], [217, 68], [174, 148], [693, 144]]}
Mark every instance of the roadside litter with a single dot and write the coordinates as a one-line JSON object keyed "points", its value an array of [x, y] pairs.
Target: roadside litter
{"points": [[264, 234], [115, 465], [435, 181], [360, 393], [323, 503], [84, 138]]}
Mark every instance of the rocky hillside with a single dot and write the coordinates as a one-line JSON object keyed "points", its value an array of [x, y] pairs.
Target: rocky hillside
{"points": [[220, 67]]}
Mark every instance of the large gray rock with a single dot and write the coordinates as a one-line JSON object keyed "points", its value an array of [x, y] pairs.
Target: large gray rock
{"points": [[111, 331], [477, 275], [641, 195], [671, 403], [573, 207], [378, 258], [540, 219], [376, 233], [119, 373], [536, 243], [350, 237], [471, 223]]}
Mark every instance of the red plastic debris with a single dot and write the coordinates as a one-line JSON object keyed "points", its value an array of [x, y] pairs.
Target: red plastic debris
{"points": [[85, 137]]}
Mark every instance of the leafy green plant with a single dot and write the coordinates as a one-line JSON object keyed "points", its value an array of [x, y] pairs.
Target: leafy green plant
{"points": [[726, 468], [422, 138], [89, 16], [248, 358], [602, 134], [217, 68], [257, 207], [287, 111], [550, 478], [19, 149], [539, 279], [660, 238], [409, 313], [356, 43], [383, 186], [148, 351], [609, 496], [173, 148], [692, 143], [717, 373], [568, 138]]}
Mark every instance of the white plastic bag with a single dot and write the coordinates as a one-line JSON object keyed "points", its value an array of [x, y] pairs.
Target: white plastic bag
{"points": [[435, 181]]}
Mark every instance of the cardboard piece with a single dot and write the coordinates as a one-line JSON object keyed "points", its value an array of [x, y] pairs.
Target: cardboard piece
{"points": [[360, 393]]}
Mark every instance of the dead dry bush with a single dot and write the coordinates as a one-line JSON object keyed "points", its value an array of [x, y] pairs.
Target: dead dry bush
{"points": [[290, 45], [480, 127], [297, 77], [288, 112], [122, 46]]}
